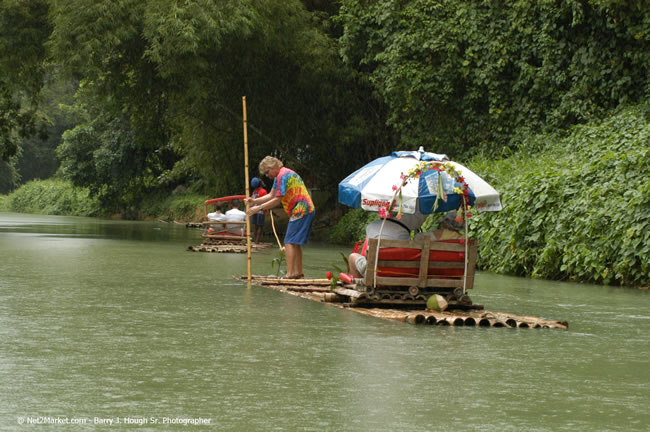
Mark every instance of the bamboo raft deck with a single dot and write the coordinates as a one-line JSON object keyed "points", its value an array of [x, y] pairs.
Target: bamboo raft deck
{"points": [[228, 246], [226, 243], [319, 290]]}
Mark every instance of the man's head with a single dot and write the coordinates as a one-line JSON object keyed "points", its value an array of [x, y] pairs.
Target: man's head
{"points": [[270, 166], [452, 222]]}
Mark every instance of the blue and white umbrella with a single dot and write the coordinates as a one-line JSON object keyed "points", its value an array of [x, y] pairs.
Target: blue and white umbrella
{"points": [[371, 187]]}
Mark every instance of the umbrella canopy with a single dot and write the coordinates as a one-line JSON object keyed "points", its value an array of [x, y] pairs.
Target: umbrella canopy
{"points": [[374, 185]]}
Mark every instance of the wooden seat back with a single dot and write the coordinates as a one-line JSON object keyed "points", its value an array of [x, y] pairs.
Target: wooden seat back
{"points": [[428, 263]]}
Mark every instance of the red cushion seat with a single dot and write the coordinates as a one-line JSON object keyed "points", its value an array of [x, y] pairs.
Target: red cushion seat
{"points": [[409, 254]]}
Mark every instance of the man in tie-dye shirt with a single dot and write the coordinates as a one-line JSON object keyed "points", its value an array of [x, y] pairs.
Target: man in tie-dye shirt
{"points": [[290, 191]]}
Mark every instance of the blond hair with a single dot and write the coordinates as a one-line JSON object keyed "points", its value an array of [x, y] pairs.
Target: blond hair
{"points": [[270, 162]]}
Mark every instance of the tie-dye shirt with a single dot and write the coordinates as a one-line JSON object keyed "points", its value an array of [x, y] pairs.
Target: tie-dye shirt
{"points": [[293, 193]]}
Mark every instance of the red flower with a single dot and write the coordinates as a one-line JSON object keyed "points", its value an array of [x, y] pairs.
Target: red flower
{"points": [[329, 275], [394, 187]]}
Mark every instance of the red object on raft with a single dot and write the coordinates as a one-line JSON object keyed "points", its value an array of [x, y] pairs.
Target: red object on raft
{"points": [[346, 278], [226, 198], [408, 254]]}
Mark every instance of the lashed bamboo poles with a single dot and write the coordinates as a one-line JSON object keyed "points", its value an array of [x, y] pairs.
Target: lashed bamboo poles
{"points": [[315, 289]]}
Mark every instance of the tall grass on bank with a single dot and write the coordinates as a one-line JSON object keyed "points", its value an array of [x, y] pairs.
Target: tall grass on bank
{"points": [[183, 207], [60, 197], [575, 208], [50, 197]]}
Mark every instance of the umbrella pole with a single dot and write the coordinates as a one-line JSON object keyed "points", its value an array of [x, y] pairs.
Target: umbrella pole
{"points": [[381, 229], [248, 219], [466, 247]]}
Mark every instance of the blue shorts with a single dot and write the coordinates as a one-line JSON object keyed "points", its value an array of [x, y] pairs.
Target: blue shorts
{"points": [[258, 219], [299, 229]]}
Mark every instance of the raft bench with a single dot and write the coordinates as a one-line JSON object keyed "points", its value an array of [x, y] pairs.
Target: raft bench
{"points": [[225, 235], [221, 200], [426, 264]]}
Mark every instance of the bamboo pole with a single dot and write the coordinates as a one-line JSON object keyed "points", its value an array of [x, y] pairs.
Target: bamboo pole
{"points": [[248, 219], [275, 232]]}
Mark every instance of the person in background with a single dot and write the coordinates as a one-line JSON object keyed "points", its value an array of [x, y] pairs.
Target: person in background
{"points": [[235, 215], [258, 218], [290, 191], [393, 229], [451, 227], [216, 215]]}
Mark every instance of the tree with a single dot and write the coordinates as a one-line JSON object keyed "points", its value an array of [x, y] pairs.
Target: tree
{"points": [[174, 74], [23, 30], [457, 74]]}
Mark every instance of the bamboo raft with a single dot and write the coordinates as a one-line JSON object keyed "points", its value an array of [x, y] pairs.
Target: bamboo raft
{"points": [[319, 290], [228, 246], [226, 243]]}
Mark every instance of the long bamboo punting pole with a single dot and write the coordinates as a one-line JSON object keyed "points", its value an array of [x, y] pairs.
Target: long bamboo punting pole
{"points": [[275, 232], [248, 219]]}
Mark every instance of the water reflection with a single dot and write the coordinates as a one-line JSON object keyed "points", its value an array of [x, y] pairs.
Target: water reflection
{"points": [[103, 318]]}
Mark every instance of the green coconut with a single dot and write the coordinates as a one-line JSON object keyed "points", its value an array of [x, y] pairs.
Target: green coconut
{"points": [[437, 302]]}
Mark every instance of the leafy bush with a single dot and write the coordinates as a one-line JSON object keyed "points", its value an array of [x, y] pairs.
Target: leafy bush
{"points": [[580, 210], [352, 226], [53, 197], [456, 74], [178, 207]]}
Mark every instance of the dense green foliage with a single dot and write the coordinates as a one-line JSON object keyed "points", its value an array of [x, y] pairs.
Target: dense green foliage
{"points": [[579, 209], [31, 120], [23, 31], [352, 226], [51, 197], [177, 207], [460, 74], [60, 197], [161, 93]]}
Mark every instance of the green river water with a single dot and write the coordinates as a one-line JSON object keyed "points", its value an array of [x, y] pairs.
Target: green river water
{"points": [[115, 321]]}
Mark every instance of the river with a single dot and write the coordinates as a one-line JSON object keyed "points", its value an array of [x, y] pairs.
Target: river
{"points": [[112, 321]]}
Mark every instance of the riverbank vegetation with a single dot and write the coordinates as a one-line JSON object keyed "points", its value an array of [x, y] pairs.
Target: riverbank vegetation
{"points": [[576, 207], [51, 197], [130, 101], [61, 197]]}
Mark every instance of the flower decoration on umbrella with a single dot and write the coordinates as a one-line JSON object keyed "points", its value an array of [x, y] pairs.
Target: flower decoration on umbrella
{"points": [[441, 167], [426, 183]]}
